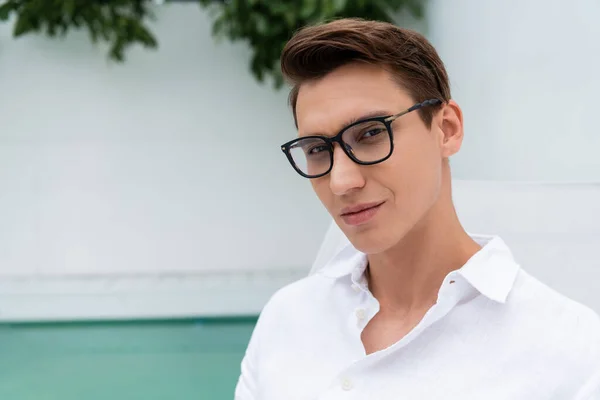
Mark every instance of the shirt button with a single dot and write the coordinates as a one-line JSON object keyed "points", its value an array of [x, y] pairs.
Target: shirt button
{"points": [[360, 313], [347, 384]]}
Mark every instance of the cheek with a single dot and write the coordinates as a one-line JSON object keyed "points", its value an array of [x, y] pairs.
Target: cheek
{"points": [[413, 173], [323, 192]]}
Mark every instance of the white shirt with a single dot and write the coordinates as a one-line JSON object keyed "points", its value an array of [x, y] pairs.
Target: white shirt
{"points": [[494, 333]]}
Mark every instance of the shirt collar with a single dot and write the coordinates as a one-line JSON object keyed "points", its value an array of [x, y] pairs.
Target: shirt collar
{"points": [[491, 271]]}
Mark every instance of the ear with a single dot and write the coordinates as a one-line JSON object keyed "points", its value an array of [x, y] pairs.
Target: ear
{"points": [[451, 125]]}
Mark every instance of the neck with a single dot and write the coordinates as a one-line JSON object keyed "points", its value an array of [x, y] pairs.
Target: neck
{"points": [[407, 277]]}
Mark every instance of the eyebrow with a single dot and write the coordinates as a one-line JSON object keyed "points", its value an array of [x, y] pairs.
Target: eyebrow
{"points": [[370, 114], [367, 115]]}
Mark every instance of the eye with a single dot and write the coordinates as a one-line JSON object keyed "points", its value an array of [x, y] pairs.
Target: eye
{"points": [[372, 132], [317, 149]]}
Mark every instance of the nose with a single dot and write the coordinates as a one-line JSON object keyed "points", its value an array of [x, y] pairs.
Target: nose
{"points": [[345, 175]]}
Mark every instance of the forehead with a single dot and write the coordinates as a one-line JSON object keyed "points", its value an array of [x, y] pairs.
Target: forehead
{"points": [[326, 105]]}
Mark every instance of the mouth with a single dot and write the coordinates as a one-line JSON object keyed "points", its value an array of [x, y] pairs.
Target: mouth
{"points": [[360, 214]]}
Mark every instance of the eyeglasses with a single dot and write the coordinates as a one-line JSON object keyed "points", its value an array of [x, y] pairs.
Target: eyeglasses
{"points": [[367, 142]]}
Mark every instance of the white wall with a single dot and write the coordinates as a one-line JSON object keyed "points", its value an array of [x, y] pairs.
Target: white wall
{"points": [[526, 75], [162, 164], [163, 177], [152, 189]]}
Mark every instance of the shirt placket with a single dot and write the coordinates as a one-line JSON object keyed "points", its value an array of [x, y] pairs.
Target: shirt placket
{"points": [[348, 382]]}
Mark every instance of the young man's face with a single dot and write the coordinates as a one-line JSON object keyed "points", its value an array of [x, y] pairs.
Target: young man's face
{"points": [[406, 185]]}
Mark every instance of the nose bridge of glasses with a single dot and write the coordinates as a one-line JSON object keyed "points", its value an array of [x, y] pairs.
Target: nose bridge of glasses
{"points": [[340, 141], [345, 147], [344, 158]]}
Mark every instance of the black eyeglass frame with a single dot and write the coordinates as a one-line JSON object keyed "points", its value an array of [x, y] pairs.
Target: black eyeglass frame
{"points": [[386, 120]]}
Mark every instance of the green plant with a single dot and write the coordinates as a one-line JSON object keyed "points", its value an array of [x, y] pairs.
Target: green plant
{"points": [[265, 24], [268, 24], [118, 22]]}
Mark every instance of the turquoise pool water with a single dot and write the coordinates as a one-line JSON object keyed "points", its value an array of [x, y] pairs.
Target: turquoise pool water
{"points": [[175, 360]]}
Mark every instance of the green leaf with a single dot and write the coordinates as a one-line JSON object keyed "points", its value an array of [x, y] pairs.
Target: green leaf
{"points": [[262, 25], [338, 5], [116, 51], [23, 26], [76, 21], [6, 9], [290, 18], [64, 28], [69, 7], [278, 8], [278, 80], [144, 36], [308, 8], [218, 26], [256, 66], [265, 25], [416, 9], [51, 30], [93, 33], [106, 30]]}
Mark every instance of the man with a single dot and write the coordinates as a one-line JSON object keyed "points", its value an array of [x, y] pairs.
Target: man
{"points": [[414, 307]]}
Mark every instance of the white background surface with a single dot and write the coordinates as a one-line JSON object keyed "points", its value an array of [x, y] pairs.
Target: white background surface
{"points": [[169, 166]]}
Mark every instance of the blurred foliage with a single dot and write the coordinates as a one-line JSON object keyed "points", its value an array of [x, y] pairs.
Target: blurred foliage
{"points": [[121, 23], [265, 24], [268, 24]]}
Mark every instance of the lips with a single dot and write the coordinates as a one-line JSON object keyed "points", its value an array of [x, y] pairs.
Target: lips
{"points": [[361, 213], [359, 207]]}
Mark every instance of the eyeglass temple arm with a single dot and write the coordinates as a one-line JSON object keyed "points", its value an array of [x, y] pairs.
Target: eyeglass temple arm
{"points": [[426, 103]]}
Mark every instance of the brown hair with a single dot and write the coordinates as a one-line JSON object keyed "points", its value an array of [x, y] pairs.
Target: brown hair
{"points": [[315, 51]]}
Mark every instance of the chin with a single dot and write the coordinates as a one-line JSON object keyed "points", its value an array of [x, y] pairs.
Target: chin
{"points": [[372, 241]]}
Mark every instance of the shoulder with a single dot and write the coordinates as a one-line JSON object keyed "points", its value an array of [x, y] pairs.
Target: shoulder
{"points": [[298, 297], [566, 330], [552, 308]]}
